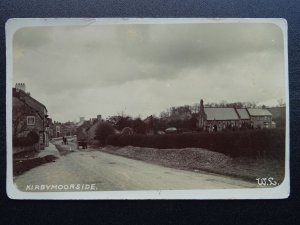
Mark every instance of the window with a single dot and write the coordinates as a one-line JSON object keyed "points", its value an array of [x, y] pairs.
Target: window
{"points": [[30, 120]]}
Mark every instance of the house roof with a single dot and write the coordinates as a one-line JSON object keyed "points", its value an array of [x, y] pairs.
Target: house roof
{"points": [[32, 102], [244, 115], [259, 112], [221, 114], [85, 124], [95, 124], [79, 123]]}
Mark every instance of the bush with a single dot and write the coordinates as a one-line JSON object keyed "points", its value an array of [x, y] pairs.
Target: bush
{"points": [[31, 139], [249, 143], [103, 131]]}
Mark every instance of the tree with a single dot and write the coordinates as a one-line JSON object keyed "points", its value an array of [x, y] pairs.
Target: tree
{"points": [[103, 131], [223, 103], [120, 121], [195, 108], [139, 126], [281, 102], [250, 105], [165, 114]]}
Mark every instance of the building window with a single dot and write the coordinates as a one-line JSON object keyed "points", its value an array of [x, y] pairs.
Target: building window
{"points": [[30, 120]]}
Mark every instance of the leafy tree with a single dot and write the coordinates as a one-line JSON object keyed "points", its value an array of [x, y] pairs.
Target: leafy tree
{"points": [[139, 126], [120, 121], [103, 131]]}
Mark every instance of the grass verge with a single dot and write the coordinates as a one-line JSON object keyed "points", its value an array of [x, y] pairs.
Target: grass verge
{"points": [[197, 160]]}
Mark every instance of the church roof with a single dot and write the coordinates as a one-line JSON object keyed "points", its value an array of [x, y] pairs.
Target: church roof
{"points": [[259, 112], [244, 115], [221, 114]]}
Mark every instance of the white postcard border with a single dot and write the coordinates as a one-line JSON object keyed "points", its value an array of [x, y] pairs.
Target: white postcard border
{"points": [[12, 25]]}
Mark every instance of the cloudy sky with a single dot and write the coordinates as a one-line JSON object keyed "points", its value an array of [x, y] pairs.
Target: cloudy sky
{"points": [[143, 69]]}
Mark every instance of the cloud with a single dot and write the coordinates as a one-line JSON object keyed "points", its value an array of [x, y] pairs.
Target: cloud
{"points": [[108, 68]]}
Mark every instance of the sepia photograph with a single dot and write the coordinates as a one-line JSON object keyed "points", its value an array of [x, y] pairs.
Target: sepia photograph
{"points": [[147, 109]]}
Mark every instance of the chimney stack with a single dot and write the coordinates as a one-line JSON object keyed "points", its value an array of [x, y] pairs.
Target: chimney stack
{"points": [[20, 86], [201, 106]]}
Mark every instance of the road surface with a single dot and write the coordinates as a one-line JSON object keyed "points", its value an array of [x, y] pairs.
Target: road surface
{"points": [[109, 172]]}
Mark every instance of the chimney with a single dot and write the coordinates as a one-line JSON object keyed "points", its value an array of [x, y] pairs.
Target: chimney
{"points": [[99, 117], [20, 86], [201, 106]]}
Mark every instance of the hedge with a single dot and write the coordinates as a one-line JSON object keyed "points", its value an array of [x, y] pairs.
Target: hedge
{"points": [[249, 143]]}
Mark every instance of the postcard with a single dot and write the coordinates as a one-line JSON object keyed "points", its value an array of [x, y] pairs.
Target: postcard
{"points": [[143, 108]]}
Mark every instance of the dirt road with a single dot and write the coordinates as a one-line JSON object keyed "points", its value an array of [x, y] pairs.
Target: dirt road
{"points": [[109, 172]]}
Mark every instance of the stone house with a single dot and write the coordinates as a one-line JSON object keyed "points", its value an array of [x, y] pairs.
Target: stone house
{"points": [[82, 130], [91, 130], [260, 118], [222, 118], [217, 118], [29, 115], [244, 116]]}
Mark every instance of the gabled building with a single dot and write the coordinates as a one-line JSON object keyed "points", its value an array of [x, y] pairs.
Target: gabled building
{"points": [[29, 115], [222, 118], [260, 118], [69, 128], [245, 120], [217, 118], [63, 129], [82, 130]]}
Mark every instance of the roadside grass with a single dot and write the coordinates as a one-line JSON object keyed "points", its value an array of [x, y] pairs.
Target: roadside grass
{"points": [[197, 160]]}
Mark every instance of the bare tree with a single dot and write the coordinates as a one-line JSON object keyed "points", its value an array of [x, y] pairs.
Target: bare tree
{"points": [[195, 108], [281, 102]]}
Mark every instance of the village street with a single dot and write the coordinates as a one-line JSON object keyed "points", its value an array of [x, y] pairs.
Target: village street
{"points": [[109, 172]]}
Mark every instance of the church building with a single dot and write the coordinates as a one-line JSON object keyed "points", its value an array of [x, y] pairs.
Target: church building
{"points": [[231, 118]]}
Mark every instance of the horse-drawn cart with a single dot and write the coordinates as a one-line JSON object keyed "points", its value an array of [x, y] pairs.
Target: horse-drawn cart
{"points": [[82, 137], [82, 143]]}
